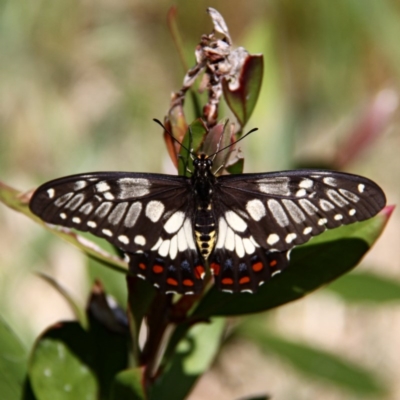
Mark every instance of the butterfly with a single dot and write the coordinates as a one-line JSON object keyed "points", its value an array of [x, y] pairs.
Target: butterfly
{"points": [[242, 226]]}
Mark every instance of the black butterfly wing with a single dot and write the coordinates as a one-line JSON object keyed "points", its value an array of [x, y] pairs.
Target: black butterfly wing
{"points": [[148, 216], [262, 216]]}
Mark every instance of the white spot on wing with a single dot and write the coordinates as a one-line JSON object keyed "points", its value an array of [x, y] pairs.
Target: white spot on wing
{"points": [[230, 239], [103, 209], [63, 216], [108, 196], [272, 239], [51, 193], [328, 180], [352, 212], [133, 214], [123, 239], [75, 202], [140, 240], [117, 213], [80, 185], [322, 221], [63, 199], [86, 208], [133, 187], [349, 195], [301, 193], [182, 242], [222, 230], [173, 249], [336, 198], [102, 187], [308, 207], [306, 183], [164, 248], [294, 211], [278, 212], [274, 186], [239, 246], [256, 209], [175, 222], [361, 187], [326, 205], [187, 226], [91, 224], [338, 217], [290, 237], [154, 210], [307, 230], [235, 222], [107, 232], [248, 246], [76, 220]]}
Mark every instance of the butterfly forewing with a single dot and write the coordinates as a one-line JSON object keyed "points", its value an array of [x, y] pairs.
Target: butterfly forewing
{"points": [[287, 208]]}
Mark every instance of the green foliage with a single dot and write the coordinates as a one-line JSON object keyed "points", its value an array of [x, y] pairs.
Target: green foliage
{"points": [[13, 363], [315, 363]]}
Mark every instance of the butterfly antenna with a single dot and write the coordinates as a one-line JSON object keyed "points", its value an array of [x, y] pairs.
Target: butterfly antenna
{"points": [[170, 134], [229, 145]]}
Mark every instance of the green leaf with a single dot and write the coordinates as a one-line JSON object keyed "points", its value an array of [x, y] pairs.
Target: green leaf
{"points": [[365, 287], [19, 202], [316, 363], [60, 367], [312, 265], [111, 355], [13, 363], [193, 356], [128, 385], [193, 139], [242, 100]]}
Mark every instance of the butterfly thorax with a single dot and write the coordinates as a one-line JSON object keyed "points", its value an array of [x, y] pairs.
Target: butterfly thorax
{"points": [[203, 181]]}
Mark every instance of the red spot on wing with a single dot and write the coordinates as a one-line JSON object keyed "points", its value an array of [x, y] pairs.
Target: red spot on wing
{"points": [[258, 266], [172, 281], [188, 282], [157, 269], [245, 279], [273, 263], [227, 281], [216, 268], [142, 265], [199, 271]]}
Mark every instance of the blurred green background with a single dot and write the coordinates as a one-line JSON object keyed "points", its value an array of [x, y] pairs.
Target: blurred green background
{"points": [[80, 82]]}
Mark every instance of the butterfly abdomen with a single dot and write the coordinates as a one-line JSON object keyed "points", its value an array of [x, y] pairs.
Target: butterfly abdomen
{"points": [[204, 227]]}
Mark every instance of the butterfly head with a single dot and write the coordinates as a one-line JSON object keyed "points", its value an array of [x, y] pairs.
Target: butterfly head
{"points": [[202, 165]]}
